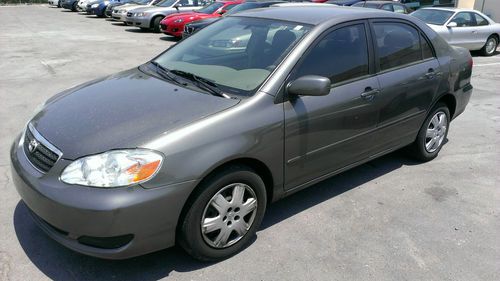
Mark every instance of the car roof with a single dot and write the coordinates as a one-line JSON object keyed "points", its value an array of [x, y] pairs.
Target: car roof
{"points": [[449, 9], [315, 14], [302, 4], [379, 2]]}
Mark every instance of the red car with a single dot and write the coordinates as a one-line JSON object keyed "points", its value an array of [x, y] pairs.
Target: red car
{"points": [[174, 24]]}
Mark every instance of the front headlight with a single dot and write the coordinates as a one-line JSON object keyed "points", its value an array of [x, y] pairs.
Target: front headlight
{"points": [[141, 14], [178, 20], [113, 168], [94, 6]]}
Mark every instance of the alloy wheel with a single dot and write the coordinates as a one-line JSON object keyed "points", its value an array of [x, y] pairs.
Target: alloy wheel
{"points": [[491, 45], [228, 215], [436, 132]]}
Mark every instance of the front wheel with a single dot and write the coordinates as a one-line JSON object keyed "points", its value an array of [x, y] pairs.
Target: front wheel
{"points": [[490, 47], [156, 24], [224, 214], [432, 134]]}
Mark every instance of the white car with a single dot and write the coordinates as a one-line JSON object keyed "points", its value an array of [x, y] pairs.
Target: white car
{"points": [[82, 5], [466, 28]]}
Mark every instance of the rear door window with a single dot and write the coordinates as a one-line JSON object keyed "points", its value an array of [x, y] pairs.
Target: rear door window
{"points": [[397, 44], [480, 21]]}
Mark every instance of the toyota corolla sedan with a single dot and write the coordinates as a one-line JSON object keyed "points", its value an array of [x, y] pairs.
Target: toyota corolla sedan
{"points": [[174, 24], [191, 147], [466, 28]]}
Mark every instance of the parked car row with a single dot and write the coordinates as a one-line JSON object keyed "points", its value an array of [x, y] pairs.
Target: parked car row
{"points": [[181, 18]]}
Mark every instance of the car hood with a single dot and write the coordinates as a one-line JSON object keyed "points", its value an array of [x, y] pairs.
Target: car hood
{"points": [[188, 16], [203, 22], [129, 7], [153, 9], [124, 110]]}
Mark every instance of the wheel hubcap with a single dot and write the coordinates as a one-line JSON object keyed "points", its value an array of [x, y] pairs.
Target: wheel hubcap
{"points": [[228, 215], [436, 131], [491, 46]]}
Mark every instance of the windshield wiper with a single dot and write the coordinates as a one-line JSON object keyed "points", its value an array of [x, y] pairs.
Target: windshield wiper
{"points": [[165, 73], [202, 83]]}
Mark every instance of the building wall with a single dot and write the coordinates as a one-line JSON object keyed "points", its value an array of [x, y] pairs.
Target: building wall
{"points": [[488, 7]]}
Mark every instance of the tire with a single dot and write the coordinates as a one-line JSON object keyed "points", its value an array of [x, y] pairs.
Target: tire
{"points": [[156, 24], [422, 148], [214, 194], [490, 46], [73, 7]]}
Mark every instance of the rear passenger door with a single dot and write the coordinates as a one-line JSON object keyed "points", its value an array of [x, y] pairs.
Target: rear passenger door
{"points": [[408, 75]]}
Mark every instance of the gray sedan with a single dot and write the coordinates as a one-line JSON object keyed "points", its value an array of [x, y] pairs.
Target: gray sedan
{"points": [[466, 28], [191, 147]]}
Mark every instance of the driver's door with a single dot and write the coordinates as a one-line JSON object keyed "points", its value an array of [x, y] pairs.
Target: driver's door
{"points": [[465, 33], [326, 133]]}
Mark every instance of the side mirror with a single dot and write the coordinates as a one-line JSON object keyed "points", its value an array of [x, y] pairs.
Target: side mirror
{"points": [[310, 85], [221, 12], [452, 24]]}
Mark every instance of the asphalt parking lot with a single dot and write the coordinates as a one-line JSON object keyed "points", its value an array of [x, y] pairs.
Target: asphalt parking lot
{"points": [[390, 219]]}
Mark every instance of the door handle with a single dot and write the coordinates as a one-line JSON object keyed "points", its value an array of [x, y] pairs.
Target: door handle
{"points": [[369, 93], [430, 74], [474, 31]]}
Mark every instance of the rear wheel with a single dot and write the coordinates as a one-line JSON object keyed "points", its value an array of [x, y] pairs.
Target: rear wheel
{"points": [[433, 133], [73, 7], [156, 24], [490, 47], [224, 214]]}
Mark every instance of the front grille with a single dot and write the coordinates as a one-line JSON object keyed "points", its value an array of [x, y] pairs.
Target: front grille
{"points": [[188, 29], [39, 154]]}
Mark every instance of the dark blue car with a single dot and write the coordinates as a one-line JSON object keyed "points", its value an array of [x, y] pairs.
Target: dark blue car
{"points": [[99, 8]]}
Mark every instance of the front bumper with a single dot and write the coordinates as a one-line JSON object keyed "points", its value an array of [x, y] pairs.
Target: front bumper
{"points": [[119, 16], [67, 5], [138, 22], [174, 29], [70, 213]]}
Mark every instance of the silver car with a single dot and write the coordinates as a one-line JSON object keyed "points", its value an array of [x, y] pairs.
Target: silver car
{"points": [[120, 12], [150, 17], [466, 28]]}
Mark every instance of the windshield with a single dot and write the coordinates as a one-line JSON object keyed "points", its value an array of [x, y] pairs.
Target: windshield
{"points": [[236, 53], [140, 1], [366, 5], [210, 9], [166, 3], [432, 16], [243, 7]]}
